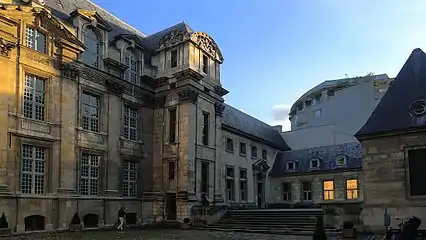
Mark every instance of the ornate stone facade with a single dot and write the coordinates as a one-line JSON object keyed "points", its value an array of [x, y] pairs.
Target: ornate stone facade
{"points": [[87, 131]]}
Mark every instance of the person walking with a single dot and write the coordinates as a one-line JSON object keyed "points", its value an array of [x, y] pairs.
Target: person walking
{"points": [[121, 215]]}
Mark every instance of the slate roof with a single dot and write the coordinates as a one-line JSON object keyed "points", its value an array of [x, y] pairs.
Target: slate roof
{"points": [[393, 111], [238, 120], [232, 117], [326, 154]]}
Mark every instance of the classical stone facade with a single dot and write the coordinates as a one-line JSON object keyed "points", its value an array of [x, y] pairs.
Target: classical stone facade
{"points": [[96, 115]]}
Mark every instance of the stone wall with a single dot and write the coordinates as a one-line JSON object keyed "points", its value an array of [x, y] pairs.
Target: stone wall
{"points": [[385, 180]]}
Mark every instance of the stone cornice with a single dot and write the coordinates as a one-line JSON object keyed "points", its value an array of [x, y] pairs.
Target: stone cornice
{"points": [[219, 108], [220, 90], [188, 74], [69, 71], [188, 95]]}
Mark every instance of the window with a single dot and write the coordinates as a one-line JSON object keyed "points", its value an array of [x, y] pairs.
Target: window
{"points": [[291, 165], [229, 145], [131, 123], [91, 104], [91, 56], [172, 125], [341, 160], [173, 59], [351, 188], [253, 151], [416, 167], [172, 169], [243, 184], [33, 161], [230, 183], [35, 40], [306, 191], [89, 174], [286, 191], [314, 163], [242, 148], [205, 177], [308, 103], [328, 190], [131, 73], [330, 93], [129, 179], [316, 99], [34, 97], [318, 113], [264, 154], [205, 128], [205, 64]]}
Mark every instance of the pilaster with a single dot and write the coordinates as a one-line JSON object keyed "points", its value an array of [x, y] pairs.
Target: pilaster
{"points": [[219, 164]]}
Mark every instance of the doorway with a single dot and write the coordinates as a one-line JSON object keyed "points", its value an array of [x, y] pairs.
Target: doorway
{"points": [[171, 207], [259, 194]]}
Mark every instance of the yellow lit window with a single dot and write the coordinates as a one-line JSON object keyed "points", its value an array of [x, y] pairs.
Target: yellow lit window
{"points": [[351, 189], [328, 190]]}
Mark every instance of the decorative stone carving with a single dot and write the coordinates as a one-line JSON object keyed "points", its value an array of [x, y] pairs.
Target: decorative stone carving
{"points": [[188, 95], [417, 108], [172, 38], [6, 47], [159, 102], [114, 87], [220, 90], [188, 73], [219, 108], [69, 71], [206, 43]]}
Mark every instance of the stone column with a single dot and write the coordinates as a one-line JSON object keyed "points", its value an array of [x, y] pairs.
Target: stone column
{"points": [[219, 165]]}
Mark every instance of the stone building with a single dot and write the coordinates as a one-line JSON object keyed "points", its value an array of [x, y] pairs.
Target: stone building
{"points": [[96, 115], [393, 141], [327, 176]]}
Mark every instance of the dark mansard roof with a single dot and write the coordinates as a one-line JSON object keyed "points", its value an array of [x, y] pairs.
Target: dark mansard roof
{"points": [[326, 154], [403, 106], [233, 119]]}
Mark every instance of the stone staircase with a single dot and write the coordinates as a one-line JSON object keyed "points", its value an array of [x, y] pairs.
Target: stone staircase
{"points": [[279, 221]]}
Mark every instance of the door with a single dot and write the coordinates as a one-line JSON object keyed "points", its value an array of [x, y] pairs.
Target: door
{"points": [[259, 194], [171, 207]]}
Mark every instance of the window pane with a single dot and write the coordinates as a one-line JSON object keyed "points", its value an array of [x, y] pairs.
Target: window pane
{"points": [[352, 184], [328, 185]]}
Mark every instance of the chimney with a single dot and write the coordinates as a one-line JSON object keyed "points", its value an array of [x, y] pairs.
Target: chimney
{"points": [[279, 128]]}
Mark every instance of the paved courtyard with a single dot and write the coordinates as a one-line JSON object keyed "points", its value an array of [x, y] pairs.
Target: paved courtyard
{"points": [[161, 235]]}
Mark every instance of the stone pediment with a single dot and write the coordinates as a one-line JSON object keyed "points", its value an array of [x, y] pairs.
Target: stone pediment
{"points": [[260, 166], [134, 40], [206, 43], [92, 16]]}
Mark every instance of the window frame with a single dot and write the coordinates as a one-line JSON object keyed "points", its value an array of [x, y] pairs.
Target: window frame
{"points": [[352, 190], [306, 192], [314, 159], [205, 178], [264, 154], [205, 65], [172, 125], [345, 160], [205, 129], [253, 153], [80, 176], [37, 31], [243, 192], [130, 56], [408, 186], [172, 170], [286, 194], [174, 62], [128, 181], [99, 96], [99, 46], [229, 144], [230, 193], [128, 126], [243, 146], [287, 166], [34, 92], [328, 194], [33, 172]]}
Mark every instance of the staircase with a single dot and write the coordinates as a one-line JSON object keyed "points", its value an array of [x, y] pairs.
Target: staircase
{"points": [[279, 221]]}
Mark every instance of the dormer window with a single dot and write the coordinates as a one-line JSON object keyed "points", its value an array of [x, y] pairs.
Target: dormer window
{"points": [[91, 55], [314, 163], [205, 64], [173, 59], [131, 73], [290, 166], [341, 160], [35, 40]]}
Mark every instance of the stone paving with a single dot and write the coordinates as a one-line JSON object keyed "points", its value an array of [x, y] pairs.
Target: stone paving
{"points": [[161, 235]]}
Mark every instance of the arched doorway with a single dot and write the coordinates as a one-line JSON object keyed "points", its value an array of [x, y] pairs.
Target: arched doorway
{"points": [[90, 220], [34, 223]]}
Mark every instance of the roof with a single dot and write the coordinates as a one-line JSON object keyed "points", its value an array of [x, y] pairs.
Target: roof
{"points": [[393, 111], [326, 154], [237, 120]]}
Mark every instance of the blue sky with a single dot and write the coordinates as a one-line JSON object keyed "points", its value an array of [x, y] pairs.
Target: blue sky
{"points": [[275, 50]]}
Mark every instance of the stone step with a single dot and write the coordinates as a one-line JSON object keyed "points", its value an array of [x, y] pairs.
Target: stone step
{"points": [[269, 217], [306, 232], [268, 223]]}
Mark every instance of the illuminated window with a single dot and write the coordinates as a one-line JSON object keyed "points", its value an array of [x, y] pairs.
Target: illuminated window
{"points": [[351, 189], [328, 190]]}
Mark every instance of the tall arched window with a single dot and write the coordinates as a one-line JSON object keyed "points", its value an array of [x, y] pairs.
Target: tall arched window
{"points": [[91, 55], [130, 59]]}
